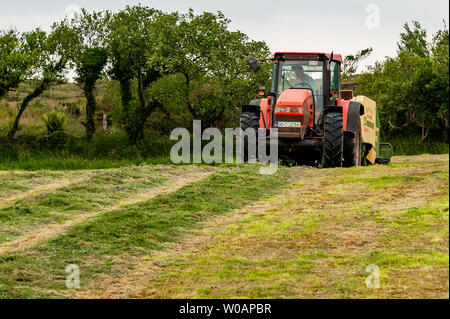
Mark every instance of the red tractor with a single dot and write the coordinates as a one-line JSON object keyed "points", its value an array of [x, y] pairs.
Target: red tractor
{"points": [[315, 125]]}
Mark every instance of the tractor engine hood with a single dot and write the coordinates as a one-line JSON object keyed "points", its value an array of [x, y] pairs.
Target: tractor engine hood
{"points": [[293, 113], [294, 97]]}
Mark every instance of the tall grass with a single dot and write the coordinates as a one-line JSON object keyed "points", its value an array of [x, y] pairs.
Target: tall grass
{"points": [[62, 152], [415, 146]]}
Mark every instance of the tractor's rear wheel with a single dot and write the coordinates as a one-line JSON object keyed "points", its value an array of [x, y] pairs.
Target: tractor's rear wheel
{"points": [[333, 140], [250, 120], [353, 147]]}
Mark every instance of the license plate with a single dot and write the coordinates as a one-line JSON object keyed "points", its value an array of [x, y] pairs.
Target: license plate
{"points": [[288, 124]]}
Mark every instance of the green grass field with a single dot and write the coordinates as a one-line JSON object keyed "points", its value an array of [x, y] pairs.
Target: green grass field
{"points": [[166, 231]]}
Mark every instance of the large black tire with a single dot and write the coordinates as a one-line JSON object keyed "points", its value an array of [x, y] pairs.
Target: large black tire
{"points": [[353, 147], [333, 144], [249, 120]]}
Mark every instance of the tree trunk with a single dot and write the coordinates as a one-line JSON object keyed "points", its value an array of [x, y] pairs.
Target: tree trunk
{"points": [[190, 107], [126, 96], [106, 129], [91, 106], [37, 91]]}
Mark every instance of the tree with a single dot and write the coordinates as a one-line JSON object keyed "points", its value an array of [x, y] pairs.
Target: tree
{"points": [[15, 61], [351, 62], [414, 40], [48, 63], [89, 55], [211, 60], [412, 88], [440, 84], [128, 44]]}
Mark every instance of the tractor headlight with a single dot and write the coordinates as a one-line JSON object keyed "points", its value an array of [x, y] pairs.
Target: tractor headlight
{"points": [[297, 109], [282, 109]]}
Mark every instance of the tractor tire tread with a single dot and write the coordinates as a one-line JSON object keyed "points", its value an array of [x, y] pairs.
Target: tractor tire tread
{"points": [[333, 142]]}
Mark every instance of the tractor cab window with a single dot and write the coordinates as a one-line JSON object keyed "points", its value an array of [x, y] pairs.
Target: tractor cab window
{"points": [[302, 75], [335, 84]]}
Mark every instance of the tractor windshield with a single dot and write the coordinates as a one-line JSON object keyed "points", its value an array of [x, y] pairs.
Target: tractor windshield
{"points": [[302, 74]]}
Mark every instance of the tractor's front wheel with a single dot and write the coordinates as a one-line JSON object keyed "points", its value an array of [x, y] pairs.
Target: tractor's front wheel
{"points": [[332, 154], [250, 120], [353, 147]]}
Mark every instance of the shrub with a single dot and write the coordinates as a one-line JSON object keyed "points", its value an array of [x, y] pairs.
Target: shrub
{"points": [[72, 108], [55, 121], [37, 104], [7, 151]]}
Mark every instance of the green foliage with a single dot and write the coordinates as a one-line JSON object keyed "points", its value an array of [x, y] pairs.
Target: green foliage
{"points": [[211, 60], [128, 43], [351, 62], [15, 61], [414, 40], [72, 108], [55, 121], [89, 55], [411, 89], [170, 68], [49, 59], [60, 151], [414, 145]]}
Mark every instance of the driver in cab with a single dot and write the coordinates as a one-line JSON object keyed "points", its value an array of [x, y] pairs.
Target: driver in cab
{"points": [[303, 78]]}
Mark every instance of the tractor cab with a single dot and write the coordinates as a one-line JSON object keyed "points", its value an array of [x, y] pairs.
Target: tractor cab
{"points": [[311, 80]]}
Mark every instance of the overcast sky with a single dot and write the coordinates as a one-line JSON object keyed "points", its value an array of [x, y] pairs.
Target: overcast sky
{"points": [[286, 25]]}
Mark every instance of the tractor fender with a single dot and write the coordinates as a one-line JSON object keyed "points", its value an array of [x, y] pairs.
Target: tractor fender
{"points": [[256, 102], [355, 110], [262, 107], [351, 112], [252, 107]]}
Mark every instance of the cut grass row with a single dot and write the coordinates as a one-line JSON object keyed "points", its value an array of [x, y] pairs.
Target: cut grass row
{"points": [[95, 191], [114, 242], [316, 240], [99, 189]]}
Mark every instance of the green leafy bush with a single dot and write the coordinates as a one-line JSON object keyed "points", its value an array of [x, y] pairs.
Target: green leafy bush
{"points": [[72, 108], [55, 121]]}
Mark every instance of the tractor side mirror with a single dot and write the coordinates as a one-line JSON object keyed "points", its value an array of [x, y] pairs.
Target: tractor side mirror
{"points": [[329, 61], [253, 63]]}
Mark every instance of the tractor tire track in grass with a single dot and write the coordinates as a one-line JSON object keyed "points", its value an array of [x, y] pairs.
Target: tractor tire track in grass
{"points": [[50, 231], [313, 241]]}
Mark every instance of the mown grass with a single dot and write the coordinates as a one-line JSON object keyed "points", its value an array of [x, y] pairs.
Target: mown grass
{"points": [[316, 240], [113, 242], [98, 190], [13, 183], [73, 162]]}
